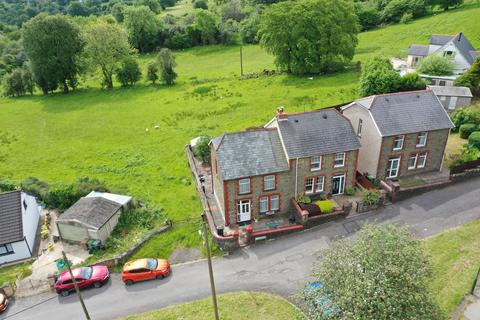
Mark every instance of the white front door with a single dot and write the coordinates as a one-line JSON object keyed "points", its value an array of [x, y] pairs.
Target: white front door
{"points": [[392, 167], [338, 184], [244, 210]]}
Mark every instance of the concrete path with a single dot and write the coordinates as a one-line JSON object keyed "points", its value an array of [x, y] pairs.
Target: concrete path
{"points": [[281, 266]]}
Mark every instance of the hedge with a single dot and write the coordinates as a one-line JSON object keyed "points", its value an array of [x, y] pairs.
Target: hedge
{"points": [[474, 139], [467, 129]]}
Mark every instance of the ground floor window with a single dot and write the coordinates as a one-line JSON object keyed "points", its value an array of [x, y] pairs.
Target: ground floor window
{"points": [[417, 161], [269, 203], [6, 249], [314, 184]]}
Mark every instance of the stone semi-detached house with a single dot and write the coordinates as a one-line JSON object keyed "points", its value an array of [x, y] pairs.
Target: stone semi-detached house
{"points": [[256, 173], [401, 134]]}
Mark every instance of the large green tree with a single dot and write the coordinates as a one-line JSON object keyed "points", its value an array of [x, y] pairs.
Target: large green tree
{"points": [[206, 22], [384, 274], [436, 65], [142, 26], [310, 36], [53, 45], [445, 4], [378, 76], [166, 61], [471, 78], [106, 46]]}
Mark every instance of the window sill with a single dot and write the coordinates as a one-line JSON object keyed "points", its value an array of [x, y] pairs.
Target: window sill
{"points": [[342, 166], [420, 146], [312, 170], [269, 190], [397, 149]]}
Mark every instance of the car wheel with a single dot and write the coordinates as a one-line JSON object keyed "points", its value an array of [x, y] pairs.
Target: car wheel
{"points": [[129, 282], [64, 293], [160, 276], [97, 284]]}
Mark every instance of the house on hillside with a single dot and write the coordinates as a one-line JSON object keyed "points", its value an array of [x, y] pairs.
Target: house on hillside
{"points": [[257, 173], [19, 221], [453, 97], [456, 47], [402, 134], [92, 217]]}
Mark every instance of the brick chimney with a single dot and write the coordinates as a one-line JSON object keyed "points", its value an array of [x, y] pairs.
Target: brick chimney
{"points": [[281, 113]]}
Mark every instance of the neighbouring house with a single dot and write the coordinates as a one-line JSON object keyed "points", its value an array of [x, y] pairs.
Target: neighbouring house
{"points": [[92, 217], [256, 173], [456, 47], [19, 221], [452, 97], [401, 134]]}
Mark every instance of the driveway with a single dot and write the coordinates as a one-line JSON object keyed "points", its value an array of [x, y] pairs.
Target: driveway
{"points": [[281, 266]]}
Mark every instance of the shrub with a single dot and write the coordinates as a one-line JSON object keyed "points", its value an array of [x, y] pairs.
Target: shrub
{"points": [[303, 199], [350, 191], [466, 129], [326, 206], [129, 72], [145, 217], [35, 187], [474, 139], [152, 72], [371, 197], [60, 197], [6, 186], [378, 76], [406, 18], [200, 4], [202, 149], [44, 232], [465, 115], [436, 65], [412, 81]]}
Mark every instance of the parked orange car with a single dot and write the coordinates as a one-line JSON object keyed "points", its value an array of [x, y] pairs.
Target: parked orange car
{"points": [[145, 269]]}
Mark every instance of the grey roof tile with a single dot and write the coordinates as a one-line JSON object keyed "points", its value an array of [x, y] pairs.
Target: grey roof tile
{"points": [[451, 91], [315, 133], [11, 224], [409, 112], [440, 39], [92, 211], [250, 153], [418, 50], [464, 46]]}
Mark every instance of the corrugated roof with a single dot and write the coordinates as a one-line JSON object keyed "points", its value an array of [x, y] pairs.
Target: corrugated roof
{"points": [[408, 112], [94, 212], [250, 153], [315, 133], [418, 50], [11, 224], [451, 91]]}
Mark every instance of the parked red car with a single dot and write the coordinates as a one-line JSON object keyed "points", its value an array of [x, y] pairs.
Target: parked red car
{"points": [[86, 277], [3, 302], [145, 269]]}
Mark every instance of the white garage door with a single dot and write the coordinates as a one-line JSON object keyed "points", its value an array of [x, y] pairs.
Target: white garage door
{"points": [[73, 233]]}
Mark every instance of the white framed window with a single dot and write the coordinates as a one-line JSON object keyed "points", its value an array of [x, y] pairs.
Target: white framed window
{"points": [[412, 161], [422, 159], [422, 139], [359, 128], [274, 203], [263, 204], [392, 167], [339, 159], [309, 185], [398, 143], [244, 210], [319, 183], [269, 183], [449, 54], [244, 186], [316, 163]]}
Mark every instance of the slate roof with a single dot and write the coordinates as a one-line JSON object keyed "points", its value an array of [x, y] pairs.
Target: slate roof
{"points": [[440, 39], [451, 91], [409, 112], [250, 153], [315, 133], [94, 212], [464, 46], [475, 54], [11, 224], [418, 50]]}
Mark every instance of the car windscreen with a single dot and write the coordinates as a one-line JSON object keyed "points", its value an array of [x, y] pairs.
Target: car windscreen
{"points": [[86, 273], [152, 264]]}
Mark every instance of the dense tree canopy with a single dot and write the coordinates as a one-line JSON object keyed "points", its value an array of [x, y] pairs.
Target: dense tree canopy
{"points": [[142, 26], [471, 78], [129, 72], [53, 45], [310, 36], [378, 77], [384, 274]]}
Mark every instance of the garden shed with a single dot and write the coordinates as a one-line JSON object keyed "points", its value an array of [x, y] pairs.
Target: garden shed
{"points": [[92, 217], [453, 97]]}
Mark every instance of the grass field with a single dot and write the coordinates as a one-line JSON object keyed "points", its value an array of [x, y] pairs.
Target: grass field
{"points": [[10, 274], [102, 134], [232, 306], [456, 260]]}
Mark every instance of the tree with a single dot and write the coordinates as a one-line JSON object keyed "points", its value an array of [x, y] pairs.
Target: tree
{"points": [[27, 79], [129, 72], [106, 46], [412, 81], [368, 15], [445, 4], [53, 45], [202, 149], [77, 8], [471, 78], [153, 5], [13, 84], [167, 3], [384, 274], [142, 26], [152, 72], [206, 22], [435, 65], [200, 4], [166, 61], [310, 36], [378, 77]]}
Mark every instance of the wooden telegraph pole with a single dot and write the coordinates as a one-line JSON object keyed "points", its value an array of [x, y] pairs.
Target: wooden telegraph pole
{"points": [[87, 316], [210, 269]]}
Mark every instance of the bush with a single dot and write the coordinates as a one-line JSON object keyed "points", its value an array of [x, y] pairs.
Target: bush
{"points": [[303, 198], [350, 191], [202, 149], [436, 65], [129, 72], [465, 115], [474, 139], [44, 232], [406, 18], [6, 186], [368, 15], [60, 197], [152, 72], [466, 129], [371, 197], [378, 76], [326, 206], [412, 81], [35, 187], [200, 4]]}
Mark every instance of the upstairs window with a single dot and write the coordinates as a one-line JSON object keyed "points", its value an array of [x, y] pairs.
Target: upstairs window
{"points": [[422, 139], [244, 186], [339, 159], [398, 143], [316, 163], [448, 54], [359, 128], [269, 183]]}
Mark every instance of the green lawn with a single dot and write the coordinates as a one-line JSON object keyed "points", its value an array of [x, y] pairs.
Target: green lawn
{"points": [[103, 134], [10, 274], [456, 259], [232, 306]]}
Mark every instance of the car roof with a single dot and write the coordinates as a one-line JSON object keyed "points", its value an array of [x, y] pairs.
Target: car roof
{"points": [[135, 264], [65, 275]]}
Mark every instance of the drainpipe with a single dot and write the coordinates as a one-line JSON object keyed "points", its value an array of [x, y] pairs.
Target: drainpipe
{"points": [[443, 158], [296, 178]]}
